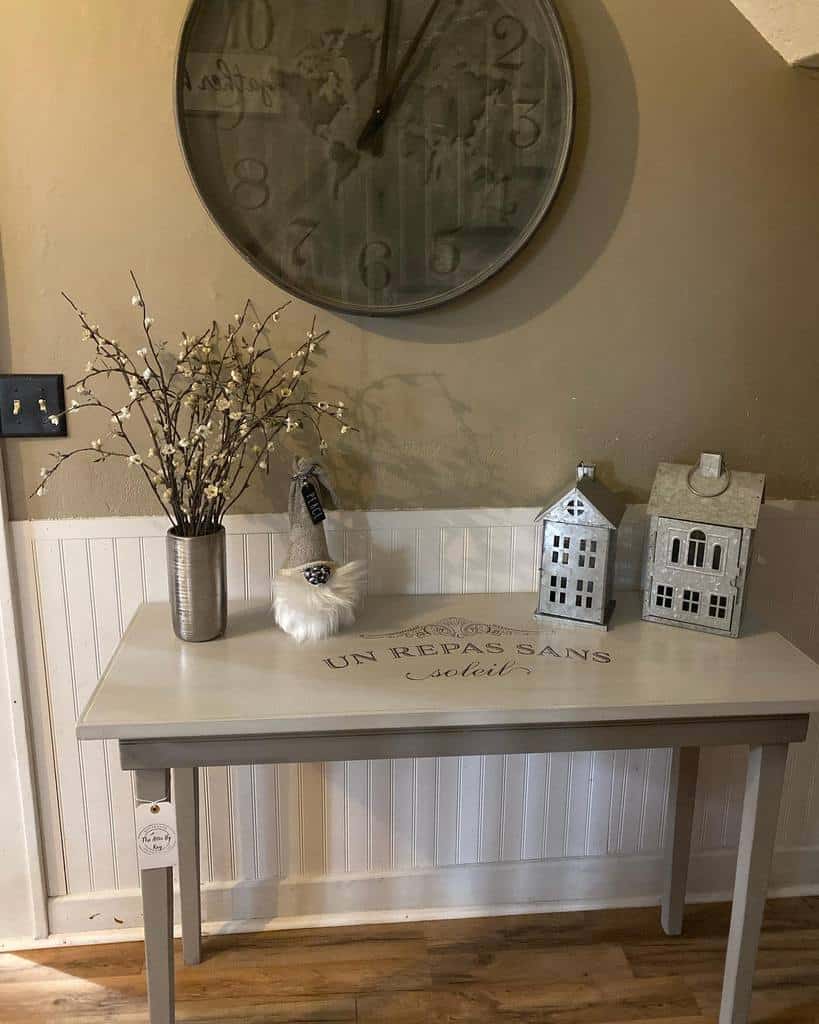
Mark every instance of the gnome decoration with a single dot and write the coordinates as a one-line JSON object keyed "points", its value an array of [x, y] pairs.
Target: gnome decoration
{"points": [[313, 597]]}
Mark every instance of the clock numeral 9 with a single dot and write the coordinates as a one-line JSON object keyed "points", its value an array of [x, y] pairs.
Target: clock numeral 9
{"points": [[445, 257], [255, 17], [250, 190], [508, 29], [373, 269], [525, 131]]}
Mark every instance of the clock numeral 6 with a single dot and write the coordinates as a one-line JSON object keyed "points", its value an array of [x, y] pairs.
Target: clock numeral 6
{"points": [[445, 256], [373, 268], [250, 191], [508, 29], [255, 17]]}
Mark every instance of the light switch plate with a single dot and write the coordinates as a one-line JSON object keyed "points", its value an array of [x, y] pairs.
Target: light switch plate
{"points": [[26, 402]]}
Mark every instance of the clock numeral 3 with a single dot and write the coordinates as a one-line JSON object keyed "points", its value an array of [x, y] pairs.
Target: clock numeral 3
{"points": [[252, 19], [526, 130], [250, 190], [445, 257], [508, 29], [373, 268]]}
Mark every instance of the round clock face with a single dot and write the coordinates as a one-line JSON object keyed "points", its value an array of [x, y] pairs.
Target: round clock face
{"points": [[375, 156]]}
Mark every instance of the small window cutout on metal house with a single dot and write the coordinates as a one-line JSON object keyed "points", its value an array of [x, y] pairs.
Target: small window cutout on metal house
{"points": [[575, 507], [718, 606], [558, 591], [696, 549], [716, 557], [675, 550], [664, 597], [691, 601]]}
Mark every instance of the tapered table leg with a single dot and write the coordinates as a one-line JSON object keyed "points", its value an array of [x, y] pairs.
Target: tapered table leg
{"points": [[186, 799], [681, 796], [760, 814], [157, 912]]}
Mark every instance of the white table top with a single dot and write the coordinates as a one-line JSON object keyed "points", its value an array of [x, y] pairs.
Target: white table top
{"points": [[502, 668]]}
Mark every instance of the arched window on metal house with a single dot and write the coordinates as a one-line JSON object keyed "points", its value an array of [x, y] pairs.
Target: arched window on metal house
{"points": [[696, 549]]}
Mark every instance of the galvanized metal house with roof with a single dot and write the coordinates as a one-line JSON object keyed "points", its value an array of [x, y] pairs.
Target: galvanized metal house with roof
{"points": [[577, 552], [701, 523]]}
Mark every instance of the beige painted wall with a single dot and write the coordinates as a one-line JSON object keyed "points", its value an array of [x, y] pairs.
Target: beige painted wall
{"points": [[668, 304]]}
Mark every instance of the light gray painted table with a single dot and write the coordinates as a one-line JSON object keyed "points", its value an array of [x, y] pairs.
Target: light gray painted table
{"points": [[430, 676]]}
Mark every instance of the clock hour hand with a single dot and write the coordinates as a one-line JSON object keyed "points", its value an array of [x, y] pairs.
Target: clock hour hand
{"points": [[384, 100]]}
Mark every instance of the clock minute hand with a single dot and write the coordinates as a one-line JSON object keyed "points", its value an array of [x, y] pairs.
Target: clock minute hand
{"points": [[384, 101], [382, 59], [381, 80]]}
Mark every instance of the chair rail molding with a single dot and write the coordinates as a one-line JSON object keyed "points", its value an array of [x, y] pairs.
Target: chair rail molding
{"points": [[381, 840]]}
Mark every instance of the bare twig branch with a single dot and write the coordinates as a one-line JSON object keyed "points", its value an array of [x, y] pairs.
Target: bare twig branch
{"points": [[212, 419]]}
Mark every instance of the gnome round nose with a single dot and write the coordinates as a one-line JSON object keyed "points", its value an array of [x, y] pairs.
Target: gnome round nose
{"points": [[317, 574], [313, 596]]}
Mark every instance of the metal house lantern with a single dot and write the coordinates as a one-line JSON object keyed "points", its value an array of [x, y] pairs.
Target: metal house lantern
{"points": [[577, 553], [702, 519]]}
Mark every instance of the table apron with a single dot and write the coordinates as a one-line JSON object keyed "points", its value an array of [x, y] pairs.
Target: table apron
{"points": [[298, 748]]}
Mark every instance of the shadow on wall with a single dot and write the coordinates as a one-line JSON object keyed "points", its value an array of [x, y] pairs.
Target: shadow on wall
{"points": [[585, 213], [392, 459]]}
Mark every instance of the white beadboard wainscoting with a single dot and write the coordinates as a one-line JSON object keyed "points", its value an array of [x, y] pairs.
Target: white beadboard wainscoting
{"points": [[383, 840]]}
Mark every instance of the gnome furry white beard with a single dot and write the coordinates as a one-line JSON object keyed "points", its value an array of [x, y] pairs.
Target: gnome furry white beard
{"points": [[313, 597], [314, 612]]}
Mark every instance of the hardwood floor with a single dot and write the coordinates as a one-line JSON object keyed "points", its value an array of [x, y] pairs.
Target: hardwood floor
{"points": [[612, 967]]}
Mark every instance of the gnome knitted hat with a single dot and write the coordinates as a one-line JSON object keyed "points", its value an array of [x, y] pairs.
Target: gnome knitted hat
{"points": [[307, 542], [314, 597]]}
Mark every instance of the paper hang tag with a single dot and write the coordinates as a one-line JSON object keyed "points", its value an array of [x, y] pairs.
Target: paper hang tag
{"points": [[313, 503], [156, 835]]}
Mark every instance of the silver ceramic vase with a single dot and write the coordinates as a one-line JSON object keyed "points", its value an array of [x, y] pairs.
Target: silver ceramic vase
{"points": [[197, 585]]}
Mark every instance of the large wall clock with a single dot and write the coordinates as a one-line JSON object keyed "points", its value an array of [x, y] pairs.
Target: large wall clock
{"points": [[375, 156]]}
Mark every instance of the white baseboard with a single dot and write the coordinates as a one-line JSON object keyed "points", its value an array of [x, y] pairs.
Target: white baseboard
{"points": [[480, 890]]}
